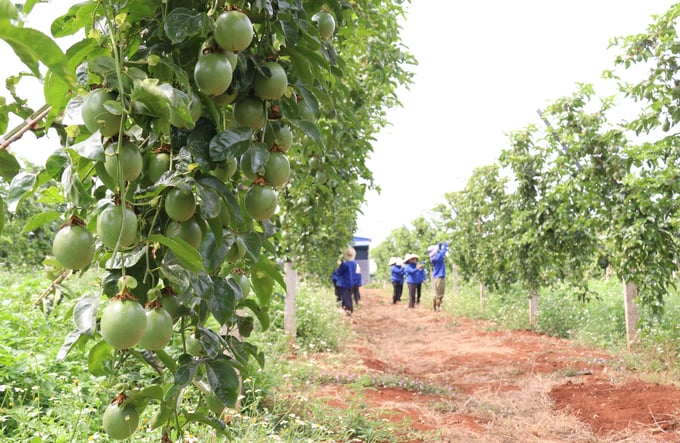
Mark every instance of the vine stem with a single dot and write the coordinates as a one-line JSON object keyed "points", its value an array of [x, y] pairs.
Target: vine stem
{"points": [[52, 286], [16, 133]]}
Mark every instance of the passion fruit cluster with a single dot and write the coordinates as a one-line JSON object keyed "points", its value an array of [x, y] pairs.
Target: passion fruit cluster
{"points": [[179, 172]]}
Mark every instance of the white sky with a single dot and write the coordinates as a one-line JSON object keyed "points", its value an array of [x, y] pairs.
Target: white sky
{"points": [[485, 67]]}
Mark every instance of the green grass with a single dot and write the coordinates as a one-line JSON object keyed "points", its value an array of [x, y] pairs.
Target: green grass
{"points": [[46, 400], [598, 321]]}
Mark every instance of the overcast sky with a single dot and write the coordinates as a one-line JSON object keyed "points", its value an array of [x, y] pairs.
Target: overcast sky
{"points": [[484, 69]]}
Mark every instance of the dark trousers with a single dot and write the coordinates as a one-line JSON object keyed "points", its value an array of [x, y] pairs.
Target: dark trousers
{"points": [[346, 298], [397, 289], [356, 294], [337, 292], [419, 287], [411, 295]]}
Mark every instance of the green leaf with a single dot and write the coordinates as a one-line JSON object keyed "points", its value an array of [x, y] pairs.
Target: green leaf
{"points": [[91, 148], [79, 16], [56, 163], [100, 360], [185, 373], [214, 250], [186, 254], [222, 303], [310, 129], [19, 188], [153, 392], [72, 340], [8, 10], [230, 144], [223, 380], [39, 220], [9, 166], [183, 23], [252, 243], [33, 47], [162, 416], [85, 314], [57, 92], [261, 314]]}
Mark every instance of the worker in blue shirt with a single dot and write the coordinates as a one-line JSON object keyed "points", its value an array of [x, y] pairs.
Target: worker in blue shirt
{"points": [[412, 272], [437, 253], [346, 278], [397, 278]]}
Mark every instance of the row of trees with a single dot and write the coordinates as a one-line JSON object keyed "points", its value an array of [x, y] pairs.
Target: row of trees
{"points": [[596, 183]]}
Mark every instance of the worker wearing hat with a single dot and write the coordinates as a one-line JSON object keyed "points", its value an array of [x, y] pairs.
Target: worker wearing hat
{"points": [[397, 278], [412, 271]]}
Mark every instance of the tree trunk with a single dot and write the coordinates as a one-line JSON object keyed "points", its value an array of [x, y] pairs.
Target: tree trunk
{"points": [[533, 308], [454, 278], [630, 293], [482, 294], [289, 315]]}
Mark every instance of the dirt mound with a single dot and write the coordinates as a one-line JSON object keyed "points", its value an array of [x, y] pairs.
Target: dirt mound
{"points": [[462, 380]]}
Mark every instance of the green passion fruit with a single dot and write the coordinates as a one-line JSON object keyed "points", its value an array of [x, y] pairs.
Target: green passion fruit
{"points": [[120, 422], [233, 31], [157, 165], [125, 163], [271, 83], [180, 205], [123, 323], [96, 116], [73, 247], [261, 202], [250, 113], [117, 221], [158, 330], [277, 169], [212, 73], [189, 231], [325, 23]]}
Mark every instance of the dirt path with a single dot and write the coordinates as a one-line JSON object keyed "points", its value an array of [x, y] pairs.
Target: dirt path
{"points": [[460, 380]]}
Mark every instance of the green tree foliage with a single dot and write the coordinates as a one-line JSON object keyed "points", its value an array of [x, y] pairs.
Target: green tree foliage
{"points": [[172, 97]]}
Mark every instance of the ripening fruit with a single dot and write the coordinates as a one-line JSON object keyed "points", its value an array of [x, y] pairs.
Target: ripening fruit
{"points": [[250, 113], [193, 345], [246, 165], [179, 204], [158, 330], [227, 98], [273, 83], [128, 159], [73, 247], [279, 135], [261, 202], [277, 169], [117, 221], [233, 31], [325, 23], [226, 170], [212, 73], [158, 164], [120, 422], [189, 231], [123, 323], [96, 117]]}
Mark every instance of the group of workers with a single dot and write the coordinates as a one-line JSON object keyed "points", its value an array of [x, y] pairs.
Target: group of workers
{"points": [[413, 271], [347, 277]]}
